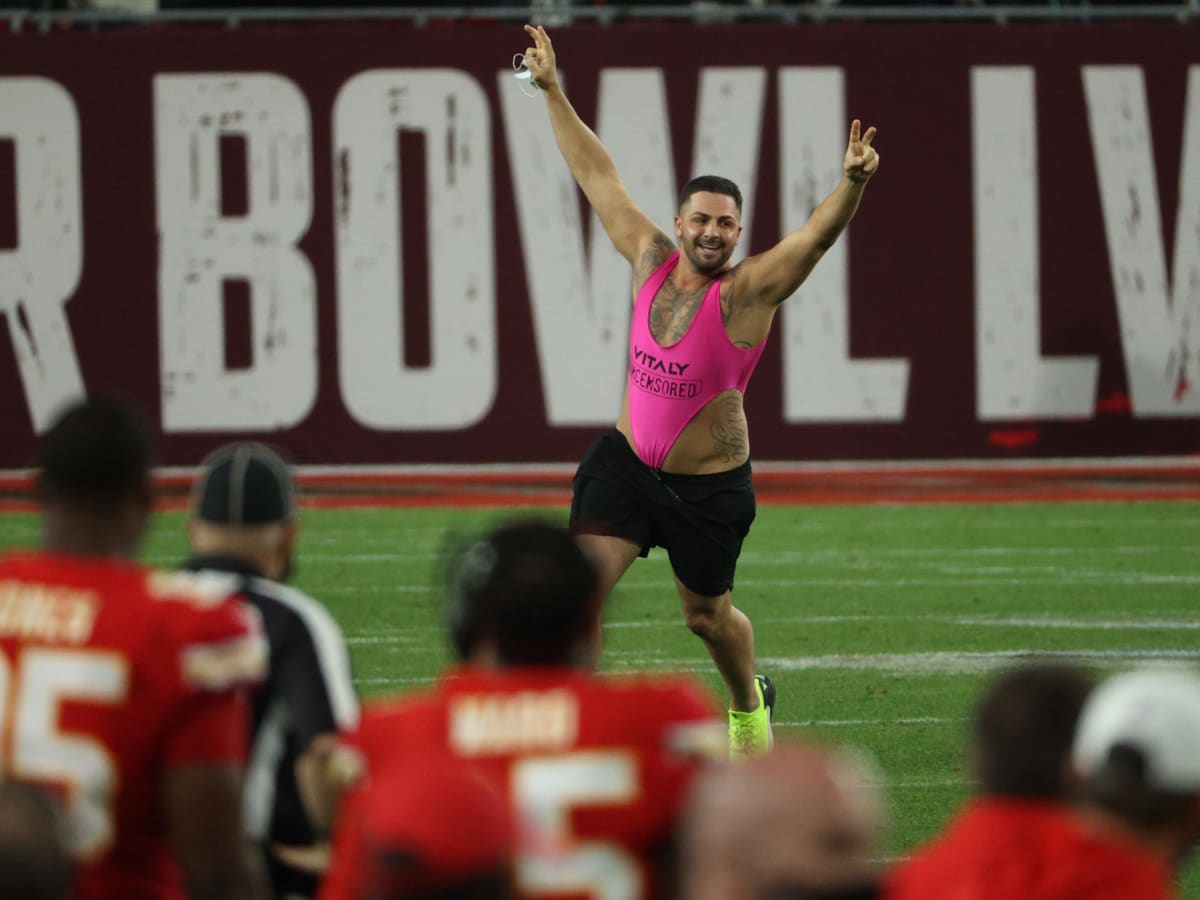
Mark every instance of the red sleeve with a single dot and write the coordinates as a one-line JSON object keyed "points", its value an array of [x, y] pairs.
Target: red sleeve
{"points": [[211, 728], [215, 652]]}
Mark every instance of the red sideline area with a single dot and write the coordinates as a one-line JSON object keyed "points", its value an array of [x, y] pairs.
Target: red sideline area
{"points": [[774, 482]]}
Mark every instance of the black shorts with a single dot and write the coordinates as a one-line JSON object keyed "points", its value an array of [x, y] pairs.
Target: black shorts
{"points": [[700, 520]]}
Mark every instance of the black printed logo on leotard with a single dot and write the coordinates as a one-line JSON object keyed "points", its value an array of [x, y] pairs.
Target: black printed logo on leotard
{"points": [[654, 376]]}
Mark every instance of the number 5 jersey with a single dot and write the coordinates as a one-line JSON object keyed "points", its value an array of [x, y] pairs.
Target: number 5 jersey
{"points": [[595, 769]]}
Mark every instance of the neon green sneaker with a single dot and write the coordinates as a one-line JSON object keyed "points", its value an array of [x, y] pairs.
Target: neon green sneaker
{"points": [[750, 732]]}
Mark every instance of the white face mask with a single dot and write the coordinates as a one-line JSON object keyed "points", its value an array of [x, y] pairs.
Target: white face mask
{"points": [[522, 74]]}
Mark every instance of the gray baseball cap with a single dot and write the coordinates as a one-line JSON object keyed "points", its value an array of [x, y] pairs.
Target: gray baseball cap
{"points": [[244, 484]]}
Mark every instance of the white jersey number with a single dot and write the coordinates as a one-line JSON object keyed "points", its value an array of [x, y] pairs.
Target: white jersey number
{"points": [[545, 789], [37, 749]]}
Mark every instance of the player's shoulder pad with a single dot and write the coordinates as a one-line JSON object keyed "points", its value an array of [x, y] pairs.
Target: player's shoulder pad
{"points": [[700, 731], [200, 589], [229, 651], [704, 740], [219, 635]]}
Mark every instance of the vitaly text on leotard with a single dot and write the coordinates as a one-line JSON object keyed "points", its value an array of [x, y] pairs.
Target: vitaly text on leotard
{"points": [[669, 385]]}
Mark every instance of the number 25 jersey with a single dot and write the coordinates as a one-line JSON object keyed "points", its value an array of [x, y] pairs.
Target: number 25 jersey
{"points": [[110, 675]]}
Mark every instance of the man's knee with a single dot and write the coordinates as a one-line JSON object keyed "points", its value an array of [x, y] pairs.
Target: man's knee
{"points": [[704, 616]]}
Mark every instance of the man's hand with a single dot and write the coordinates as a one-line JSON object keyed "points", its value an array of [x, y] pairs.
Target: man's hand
{"points": [[540, 58], [861, 159]]}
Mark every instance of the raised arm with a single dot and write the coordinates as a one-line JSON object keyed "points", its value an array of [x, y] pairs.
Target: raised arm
{"points": [[630, 229], [771, 277]]}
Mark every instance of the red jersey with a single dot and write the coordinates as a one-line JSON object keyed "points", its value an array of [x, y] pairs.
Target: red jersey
{"points": [[111, 674], [1001, 848], [595, 769]]}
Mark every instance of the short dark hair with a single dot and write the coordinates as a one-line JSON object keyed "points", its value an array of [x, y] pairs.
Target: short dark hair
{"points": [[1120, 786], [712, 184], [1024, 729], [97, 453], [527, 586]]}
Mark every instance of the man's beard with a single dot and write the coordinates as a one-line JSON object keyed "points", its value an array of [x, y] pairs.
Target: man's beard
{"points": [[704, 265]]}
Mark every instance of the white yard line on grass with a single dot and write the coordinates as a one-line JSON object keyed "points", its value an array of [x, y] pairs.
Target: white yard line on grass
{"points": [[1131, 624], [858, 723], [961, 663], [851, 551], [371, 589], [925, 783], [418, 632], [943, 662], [369, 557], [792, 557], [1069, 577]]}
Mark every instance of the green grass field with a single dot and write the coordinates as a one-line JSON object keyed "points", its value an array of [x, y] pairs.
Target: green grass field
{"points": [[879, 623]]}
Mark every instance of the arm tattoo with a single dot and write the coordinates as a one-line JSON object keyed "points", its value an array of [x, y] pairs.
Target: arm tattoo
{"points": [[729, 431], [653, 257], [727, 290]]}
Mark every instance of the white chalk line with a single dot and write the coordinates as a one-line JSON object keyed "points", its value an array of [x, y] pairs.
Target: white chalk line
{"points": [[409, 635], [1131, 624], [337, 589], [858, 723], [935, 663], [966, 662], [384, 639], [849, 553], [921, 784], [1069, 577], [941, 662]]}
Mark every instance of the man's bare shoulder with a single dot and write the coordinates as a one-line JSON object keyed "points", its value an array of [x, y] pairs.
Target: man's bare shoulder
{"points": [[655, 254], [737, 286]]}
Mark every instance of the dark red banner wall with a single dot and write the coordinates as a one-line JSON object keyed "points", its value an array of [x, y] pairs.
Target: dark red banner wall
{"points": [[358, 241]]}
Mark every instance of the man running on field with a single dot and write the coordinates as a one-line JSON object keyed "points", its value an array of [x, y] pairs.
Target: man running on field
{"points": [[676, 470]]}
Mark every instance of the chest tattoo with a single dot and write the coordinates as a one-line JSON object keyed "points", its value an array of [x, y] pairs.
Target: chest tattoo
{"points": [[672, 312]]}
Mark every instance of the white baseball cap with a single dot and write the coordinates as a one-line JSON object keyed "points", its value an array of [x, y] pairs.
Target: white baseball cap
{"points": [[1155, 711]]}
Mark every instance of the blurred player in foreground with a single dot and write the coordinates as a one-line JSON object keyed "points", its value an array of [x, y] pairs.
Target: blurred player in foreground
{"points": [[243, 524], [803, 822], [1022, 735], [1137, 761], [435, 831], [123, 685], [1105, 811], [675, 471], [33, 853], [595, 768]]}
